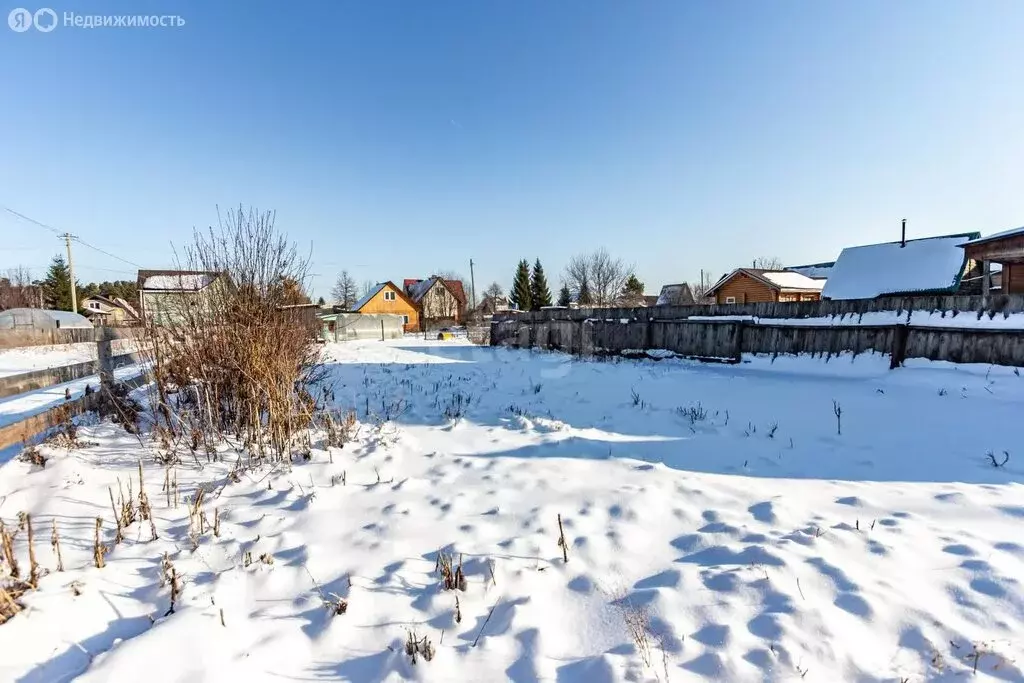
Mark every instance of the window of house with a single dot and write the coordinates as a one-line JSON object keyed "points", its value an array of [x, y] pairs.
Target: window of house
{"points": [[405, 319], [389, 296], [730, 299]]}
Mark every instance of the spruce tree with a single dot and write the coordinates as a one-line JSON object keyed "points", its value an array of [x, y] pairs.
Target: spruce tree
{"points": [[564, 296], [632, 292], [585, 298], [540, 295], [520, 295], [57, 286]]}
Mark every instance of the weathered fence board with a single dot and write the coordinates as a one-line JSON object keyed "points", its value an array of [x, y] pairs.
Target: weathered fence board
{"points": [[729, 339]]}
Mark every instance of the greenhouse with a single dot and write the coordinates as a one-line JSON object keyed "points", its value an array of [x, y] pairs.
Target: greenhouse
{"points": [[42, 319]]}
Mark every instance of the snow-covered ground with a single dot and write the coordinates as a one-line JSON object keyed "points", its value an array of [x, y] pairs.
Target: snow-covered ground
{"points": [[723, 511], [27, 359]]}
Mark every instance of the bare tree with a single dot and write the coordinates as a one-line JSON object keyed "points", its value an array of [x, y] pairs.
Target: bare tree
{"points": [[344, 292], [599, 274], [768, 263], [17, 290]]}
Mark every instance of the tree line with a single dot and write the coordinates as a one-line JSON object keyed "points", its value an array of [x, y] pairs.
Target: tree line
{"points": [[18, 290], [594, 279]]}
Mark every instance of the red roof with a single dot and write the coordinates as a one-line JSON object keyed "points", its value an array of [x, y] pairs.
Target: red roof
{"points": [[455, 286], [409, 282]]}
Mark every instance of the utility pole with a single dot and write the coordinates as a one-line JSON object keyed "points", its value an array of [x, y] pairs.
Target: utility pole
{"points": [[472, 283], [71, 272]]}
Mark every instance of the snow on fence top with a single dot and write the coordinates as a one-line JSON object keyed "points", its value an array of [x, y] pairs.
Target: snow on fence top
{"points": [[788, 280], [931, 264]]}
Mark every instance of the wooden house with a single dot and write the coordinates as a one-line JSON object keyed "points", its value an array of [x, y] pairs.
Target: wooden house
{"points": [[755, 285], [387, 297], [1004, 248], [440, 302]]}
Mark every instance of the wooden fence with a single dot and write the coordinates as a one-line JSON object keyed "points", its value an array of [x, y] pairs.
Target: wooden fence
{"points": [[991, 306], [729, 339], [105, 365]]}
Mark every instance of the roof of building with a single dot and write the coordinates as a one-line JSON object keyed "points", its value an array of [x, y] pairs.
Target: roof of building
{"points": [[417, 288], [781, 280], [1015, 232], [925, 265], [175, 280], [365, 299], [815, 271], [674, 295]]}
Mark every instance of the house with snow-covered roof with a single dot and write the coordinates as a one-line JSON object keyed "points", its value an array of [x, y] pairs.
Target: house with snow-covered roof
{"points": [[164, 295], [756, 285], [928, 266]]}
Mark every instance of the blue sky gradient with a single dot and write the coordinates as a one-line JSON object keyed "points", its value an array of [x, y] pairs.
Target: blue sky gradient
{"points": [[399, 138]]}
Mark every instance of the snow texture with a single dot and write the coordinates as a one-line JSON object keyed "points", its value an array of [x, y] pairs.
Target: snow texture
{"points": [[185, 282], [30, 358], [817, 271], [788, 280], [996, 236], [722, 509], [873, 270]]}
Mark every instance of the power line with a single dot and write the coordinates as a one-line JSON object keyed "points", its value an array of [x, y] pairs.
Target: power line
{"points": [[84, 243], [58, 233], [52, 229]]}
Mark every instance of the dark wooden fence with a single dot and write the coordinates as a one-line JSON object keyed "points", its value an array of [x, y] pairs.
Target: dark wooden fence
{"points": [[628, 331]]}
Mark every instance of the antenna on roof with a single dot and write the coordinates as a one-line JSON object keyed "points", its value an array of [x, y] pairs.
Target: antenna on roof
{"points": [[903, 236]]}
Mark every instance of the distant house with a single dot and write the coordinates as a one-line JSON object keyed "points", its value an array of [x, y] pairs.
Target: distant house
{"points": [[650, 300], [387, 297], [815, 271], [675, 295], [1001, 259], [755, 285], [493, 304], [440, 301], [109, 311], [927, 266], [165, 294]]}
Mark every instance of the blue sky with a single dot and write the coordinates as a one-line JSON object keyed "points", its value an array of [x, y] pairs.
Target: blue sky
{"points": [[399, 138]]}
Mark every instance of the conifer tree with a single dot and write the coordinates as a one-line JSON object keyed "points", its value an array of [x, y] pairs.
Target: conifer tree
{"points": [[57, 286], [564, 296], [540, 295], [585, 297], [520, 295]]}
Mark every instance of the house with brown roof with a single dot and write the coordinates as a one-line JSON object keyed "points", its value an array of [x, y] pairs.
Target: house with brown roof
{"points": [[440, 301], [756, 285], [1006, 250]]}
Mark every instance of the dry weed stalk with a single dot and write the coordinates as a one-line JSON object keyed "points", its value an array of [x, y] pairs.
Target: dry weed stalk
{"points": [[55, 544], [31, 454], [561, 541], [418, 646], [9, 605], [98, 549], [451, 574], [145, 509], [33, 571], [175, 589], [7, 546]]}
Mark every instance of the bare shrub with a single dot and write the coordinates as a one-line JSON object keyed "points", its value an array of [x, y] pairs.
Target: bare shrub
{"points": [[237, 357], [7, 550]]}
